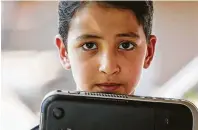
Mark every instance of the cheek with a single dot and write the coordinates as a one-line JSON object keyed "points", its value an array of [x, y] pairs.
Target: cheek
{"points": [[132, 77], [83, 68], [132, 67], [133, 71]]}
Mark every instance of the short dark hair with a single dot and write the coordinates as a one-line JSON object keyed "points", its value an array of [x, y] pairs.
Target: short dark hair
{"points": [[143, 11]]}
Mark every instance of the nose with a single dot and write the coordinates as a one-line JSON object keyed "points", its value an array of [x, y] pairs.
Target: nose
{"points": [[109, 64]]}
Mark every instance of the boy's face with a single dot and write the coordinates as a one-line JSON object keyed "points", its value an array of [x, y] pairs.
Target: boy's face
{"points": [[106, 50]]}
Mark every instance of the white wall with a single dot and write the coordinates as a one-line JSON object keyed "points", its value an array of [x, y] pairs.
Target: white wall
{"points": [[177, 31], [175, 24]]}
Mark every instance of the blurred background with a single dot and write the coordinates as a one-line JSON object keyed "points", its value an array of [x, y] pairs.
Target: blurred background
{"points": [[31, 67]]}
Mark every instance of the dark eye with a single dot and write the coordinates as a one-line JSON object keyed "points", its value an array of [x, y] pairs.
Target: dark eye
{"points": [[89, 46], [127, 45]]}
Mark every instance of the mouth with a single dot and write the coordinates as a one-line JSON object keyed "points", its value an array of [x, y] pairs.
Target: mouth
{"points": [[109, 87]]}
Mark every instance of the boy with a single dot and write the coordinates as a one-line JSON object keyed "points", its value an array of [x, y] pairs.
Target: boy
{"points": [[106, 44]]}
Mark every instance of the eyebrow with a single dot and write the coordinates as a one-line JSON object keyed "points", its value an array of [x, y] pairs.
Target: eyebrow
{"points": [[88, 36], [129, 34], [91, 36]]}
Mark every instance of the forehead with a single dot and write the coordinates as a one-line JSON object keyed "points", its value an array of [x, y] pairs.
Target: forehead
{"points": [[96, 18]]}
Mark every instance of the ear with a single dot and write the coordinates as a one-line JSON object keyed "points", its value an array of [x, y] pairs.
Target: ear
{"points": [[150, 51], [62, 52]]}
